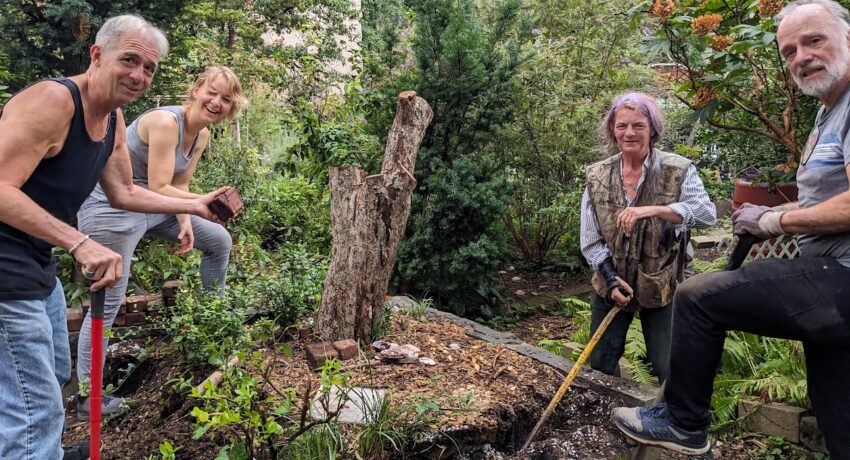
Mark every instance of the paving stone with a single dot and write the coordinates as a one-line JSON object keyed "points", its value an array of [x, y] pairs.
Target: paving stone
{"points": [[318, 353], [356, 404], [772, 419], [400, 303], [810, 435], [711, 241], [75, 318], [346, 349]]}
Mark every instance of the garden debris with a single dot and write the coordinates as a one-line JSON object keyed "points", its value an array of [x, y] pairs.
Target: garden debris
{"points": [[402, 354]]}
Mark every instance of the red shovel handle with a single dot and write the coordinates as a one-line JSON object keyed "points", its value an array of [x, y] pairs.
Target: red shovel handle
{"points": [[97, 301]]}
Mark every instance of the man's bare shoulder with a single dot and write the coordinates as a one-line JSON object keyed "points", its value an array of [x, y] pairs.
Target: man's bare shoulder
{"points": [[46, 101]]}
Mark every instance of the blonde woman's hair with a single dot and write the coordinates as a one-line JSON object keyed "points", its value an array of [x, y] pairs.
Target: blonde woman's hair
{"points": [[233, 86]]}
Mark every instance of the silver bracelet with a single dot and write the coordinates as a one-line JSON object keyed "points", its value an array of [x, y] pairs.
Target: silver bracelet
{"points": [[78, 244]]}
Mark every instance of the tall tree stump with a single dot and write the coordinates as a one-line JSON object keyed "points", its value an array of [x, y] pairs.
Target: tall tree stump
{"points": [[368, 218]]}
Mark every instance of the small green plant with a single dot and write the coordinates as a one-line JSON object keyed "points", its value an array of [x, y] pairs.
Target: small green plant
{"points": [[324, 442], [206, 328], [775, 448], [424, 405], [389, 428], [166, 451], [555, 346]]}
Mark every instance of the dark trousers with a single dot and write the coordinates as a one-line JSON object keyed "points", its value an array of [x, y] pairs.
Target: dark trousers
{"points": [[655, 323], [802, 299]]}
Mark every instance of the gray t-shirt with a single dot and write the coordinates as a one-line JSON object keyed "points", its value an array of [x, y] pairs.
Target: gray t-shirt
{"points": [[822, 175], [139, 150]]}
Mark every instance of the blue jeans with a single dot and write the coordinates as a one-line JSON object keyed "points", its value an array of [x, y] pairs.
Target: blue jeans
{"points": [[35, 361], [656, 324]]}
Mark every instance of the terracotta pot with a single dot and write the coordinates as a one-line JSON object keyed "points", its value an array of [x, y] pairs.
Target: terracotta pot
{"points": [[763, 193]]}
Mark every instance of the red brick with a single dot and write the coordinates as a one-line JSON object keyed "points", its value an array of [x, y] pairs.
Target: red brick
{"points": [[305, 332], [346, 349], [135, 318], [75, 318], [169, 289], [120, 320], [153, 302], [318, 353], [227, 205], [137, 303]]}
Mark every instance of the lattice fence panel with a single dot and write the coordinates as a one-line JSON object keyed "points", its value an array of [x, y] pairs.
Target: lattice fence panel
{"points": [[784, 247]]}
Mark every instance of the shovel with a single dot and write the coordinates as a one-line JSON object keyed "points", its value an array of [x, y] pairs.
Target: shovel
{"points": [[97, 301]]}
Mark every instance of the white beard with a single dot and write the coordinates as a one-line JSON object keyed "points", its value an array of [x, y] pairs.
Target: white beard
{"points": [[822, 85]]}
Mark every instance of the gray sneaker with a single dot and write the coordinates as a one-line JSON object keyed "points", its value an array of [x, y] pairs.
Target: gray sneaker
{"points": [[110, 406], [651, 425]]}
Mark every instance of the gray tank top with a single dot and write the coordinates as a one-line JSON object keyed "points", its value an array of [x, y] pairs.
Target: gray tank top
{"points": [[139, 150]]}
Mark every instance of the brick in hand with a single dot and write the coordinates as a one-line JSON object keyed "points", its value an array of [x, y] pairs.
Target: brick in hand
{"points": [[227, 205]]}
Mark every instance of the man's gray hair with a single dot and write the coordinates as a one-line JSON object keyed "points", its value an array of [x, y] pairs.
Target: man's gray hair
{"points": [[838, 12], [113, 28]]}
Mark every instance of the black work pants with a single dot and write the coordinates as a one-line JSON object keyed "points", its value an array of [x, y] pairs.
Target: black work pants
{"points": [[655, 323], [805, 299]]}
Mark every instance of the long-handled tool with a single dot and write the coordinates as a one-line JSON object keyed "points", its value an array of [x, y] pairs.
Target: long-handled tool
{"points": [[97, 300], [572, 374], [736, 259]]}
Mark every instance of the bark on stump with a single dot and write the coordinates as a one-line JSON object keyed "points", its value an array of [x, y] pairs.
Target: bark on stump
{"points": [[368, 218]]}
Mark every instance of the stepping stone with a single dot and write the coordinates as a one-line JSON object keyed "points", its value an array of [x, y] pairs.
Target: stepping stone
{"points": [[356, 404]]}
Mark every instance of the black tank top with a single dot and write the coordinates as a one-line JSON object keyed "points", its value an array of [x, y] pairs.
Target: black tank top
{"points": [[59, 185]]}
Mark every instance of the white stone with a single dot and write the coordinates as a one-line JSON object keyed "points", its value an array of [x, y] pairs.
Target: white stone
{"points": [[356, 404]]}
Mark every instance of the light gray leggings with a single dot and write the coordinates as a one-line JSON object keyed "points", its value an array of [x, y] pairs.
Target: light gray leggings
{"points": [[121, 231]]}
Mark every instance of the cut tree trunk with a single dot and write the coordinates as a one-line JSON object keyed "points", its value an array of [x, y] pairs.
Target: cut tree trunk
{"points": [[368, 217]]}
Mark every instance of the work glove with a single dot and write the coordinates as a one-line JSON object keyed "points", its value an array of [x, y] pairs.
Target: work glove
{"points": [[760, 221]]}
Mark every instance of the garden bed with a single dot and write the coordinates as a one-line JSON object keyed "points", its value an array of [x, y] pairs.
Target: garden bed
{"points": [[482, 400]]}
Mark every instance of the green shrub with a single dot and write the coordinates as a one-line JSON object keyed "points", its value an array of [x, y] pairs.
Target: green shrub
{"points": [[206, 328], [286, 210]]}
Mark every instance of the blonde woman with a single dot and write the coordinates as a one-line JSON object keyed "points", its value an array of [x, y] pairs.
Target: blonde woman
{"points": [[165, 145]]}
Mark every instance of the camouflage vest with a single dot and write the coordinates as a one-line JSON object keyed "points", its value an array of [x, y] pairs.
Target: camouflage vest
{"points": [[649, 259]]}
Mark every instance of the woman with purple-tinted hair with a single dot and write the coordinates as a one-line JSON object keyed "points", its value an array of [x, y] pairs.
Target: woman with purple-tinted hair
{"points": [[637, 210]]}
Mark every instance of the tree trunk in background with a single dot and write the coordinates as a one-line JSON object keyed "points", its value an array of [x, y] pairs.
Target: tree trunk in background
{"points": [[368, 217]]}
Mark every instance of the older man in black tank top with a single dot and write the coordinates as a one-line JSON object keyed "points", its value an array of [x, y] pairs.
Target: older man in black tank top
{"points": [[57, 140]]}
